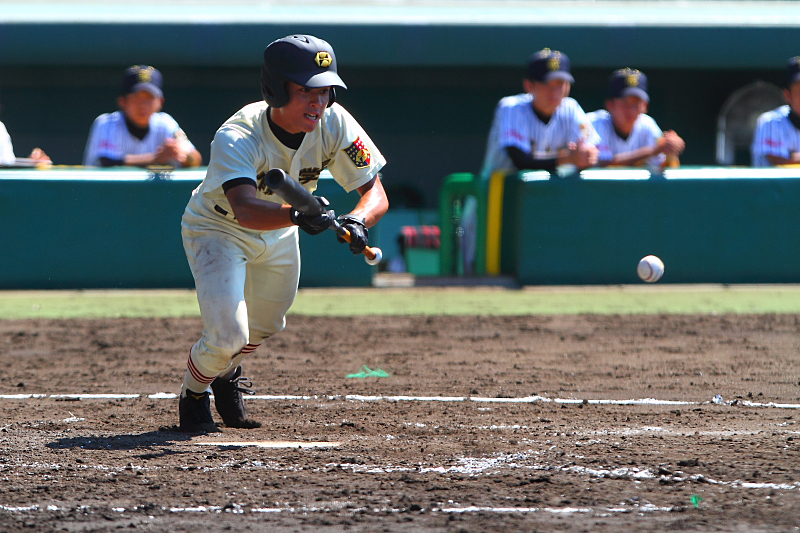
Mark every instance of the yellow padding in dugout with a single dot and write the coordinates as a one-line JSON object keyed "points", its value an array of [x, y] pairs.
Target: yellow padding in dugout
{"points": [[494, 222]]}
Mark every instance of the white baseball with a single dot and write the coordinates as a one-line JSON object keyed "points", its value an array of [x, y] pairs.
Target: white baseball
{"points": [[650, 268]]}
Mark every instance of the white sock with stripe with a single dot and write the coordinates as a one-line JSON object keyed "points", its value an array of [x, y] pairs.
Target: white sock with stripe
{"points": [[194, 380], [237, 360]]}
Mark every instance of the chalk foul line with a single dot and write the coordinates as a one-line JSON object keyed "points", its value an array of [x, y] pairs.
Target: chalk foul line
{"points": [[365, 398], [239, 509]]}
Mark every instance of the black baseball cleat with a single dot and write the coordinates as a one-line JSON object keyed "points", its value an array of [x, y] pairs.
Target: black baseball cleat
{"points": [[229, 401], [195, 413]]}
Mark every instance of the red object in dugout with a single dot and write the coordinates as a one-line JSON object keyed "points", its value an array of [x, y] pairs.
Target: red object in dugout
{"points": [[420, 236]]}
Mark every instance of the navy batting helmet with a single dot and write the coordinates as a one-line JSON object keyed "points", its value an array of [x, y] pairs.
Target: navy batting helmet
{"points": [[302, 59]]}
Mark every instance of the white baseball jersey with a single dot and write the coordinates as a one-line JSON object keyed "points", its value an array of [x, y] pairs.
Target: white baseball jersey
{"points": [[645, 132], [774, 135], [246, 279], [515, 124], [245, 147], [110, 138], [6, 148]]}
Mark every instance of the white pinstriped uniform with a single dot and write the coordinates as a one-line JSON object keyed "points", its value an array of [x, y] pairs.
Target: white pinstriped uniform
{"points": [[246, 279], [515, 124], [110, 138], [645, 132], [6, 148], [774, 135]]}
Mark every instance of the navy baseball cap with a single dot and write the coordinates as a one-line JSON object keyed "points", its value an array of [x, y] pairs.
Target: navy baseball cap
{"points": [[546, 65], [628, 82], [142, 78], [792, 71]]}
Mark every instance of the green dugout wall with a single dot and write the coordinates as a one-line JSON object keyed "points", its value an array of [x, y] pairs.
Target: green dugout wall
{"points": [[68, 229], [708, 225], [75, 229]]}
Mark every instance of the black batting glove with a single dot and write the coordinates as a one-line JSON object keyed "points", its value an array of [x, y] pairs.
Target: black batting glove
{"points": [[314, 225], [359, 234]]}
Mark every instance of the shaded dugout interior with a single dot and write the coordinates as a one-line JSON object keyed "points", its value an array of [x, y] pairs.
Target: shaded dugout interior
{"points": [[428, 121], [423, 78]]}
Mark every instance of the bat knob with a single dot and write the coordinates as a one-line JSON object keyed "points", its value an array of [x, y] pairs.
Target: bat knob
{"points": [[375, 260], [275, 178]]}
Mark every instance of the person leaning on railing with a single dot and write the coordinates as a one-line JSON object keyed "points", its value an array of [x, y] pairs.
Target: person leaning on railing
{"points": [[542, 128], [628, 136], [776, 140], [139, 134]]}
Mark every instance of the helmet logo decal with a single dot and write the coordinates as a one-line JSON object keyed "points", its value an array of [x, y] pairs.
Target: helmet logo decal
{"points": [[358, 153], [144, 75], [323, 59], [631, 76]]}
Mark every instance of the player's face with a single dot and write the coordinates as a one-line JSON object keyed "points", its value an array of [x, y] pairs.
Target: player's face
{"points": [[548, 95], [139, 107], [304, 109], [792, 96], [625, 111]]}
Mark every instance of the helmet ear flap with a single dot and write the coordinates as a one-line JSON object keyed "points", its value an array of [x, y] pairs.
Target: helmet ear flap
{"points": [[332, 98], [273, 90]]}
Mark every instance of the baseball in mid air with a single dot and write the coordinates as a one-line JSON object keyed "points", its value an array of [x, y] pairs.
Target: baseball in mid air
{"points": [[650, 268]]}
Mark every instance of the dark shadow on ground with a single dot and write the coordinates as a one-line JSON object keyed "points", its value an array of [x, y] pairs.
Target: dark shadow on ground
{"points": [[145, 441]]}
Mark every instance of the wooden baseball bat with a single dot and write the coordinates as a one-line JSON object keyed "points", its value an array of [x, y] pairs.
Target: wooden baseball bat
{"points": [[298, 197]]}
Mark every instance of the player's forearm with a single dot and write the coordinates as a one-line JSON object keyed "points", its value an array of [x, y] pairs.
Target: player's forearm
{"points": [[373, 203], [106, 162], [139, 160], [252, 212], [526, 161], [193, 159], [260, 215], [794, 158], [634, 157]]}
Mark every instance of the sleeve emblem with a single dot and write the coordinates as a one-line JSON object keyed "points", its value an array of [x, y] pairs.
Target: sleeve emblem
{"points": [[358, 153]]}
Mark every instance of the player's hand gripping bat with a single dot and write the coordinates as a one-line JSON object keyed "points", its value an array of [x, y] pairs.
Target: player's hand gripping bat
{"points": [[298, 197]]}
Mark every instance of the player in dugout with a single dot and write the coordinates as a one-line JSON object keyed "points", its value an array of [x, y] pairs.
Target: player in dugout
{"points": [[776, 140], [139, 134], [542, 128], [628, 136]]}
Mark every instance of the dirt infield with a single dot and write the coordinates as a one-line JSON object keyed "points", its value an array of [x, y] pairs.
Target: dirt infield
{"points": [[484, 424]]}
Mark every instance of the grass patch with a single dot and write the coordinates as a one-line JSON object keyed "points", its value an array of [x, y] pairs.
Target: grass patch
{"points": [[632, 299]]}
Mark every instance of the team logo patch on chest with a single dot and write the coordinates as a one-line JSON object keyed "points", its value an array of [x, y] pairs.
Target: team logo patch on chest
{"points": [[358, 153], [312, 174]]}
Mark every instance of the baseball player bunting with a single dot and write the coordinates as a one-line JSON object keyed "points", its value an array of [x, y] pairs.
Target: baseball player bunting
{"points": [[241, 240]]}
